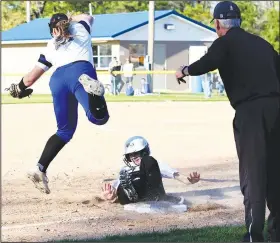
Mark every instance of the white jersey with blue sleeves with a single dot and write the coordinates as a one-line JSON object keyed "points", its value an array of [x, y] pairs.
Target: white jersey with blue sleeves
{"points": [[79, 48]]}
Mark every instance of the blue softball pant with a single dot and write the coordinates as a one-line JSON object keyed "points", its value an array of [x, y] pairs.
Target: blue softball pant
{"points": [[67, 92]]}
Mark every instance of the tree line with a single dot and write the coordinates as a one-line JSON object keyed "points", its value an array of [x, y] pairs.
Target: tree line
{"points": [[255, 19]]}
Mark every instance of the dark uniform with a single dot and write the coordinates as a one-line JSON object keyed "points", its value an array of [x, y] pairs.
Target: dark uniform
{"points": [[249, 68], [143, 183]]}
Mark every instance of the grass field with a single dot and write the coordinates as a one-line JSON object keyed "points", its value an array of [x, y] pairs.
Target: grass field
{"points": [[211, 234], [205, 234], [6, 99]]}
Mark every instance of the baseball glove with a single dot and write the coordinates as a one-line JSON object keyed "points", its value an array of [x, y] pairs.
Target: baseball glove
{"points": [[16, 92]]}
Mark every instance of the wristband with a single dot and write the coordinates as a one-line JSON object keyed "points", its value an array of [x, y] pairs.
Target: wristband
{"points": [[184, 68], [21, 85]]}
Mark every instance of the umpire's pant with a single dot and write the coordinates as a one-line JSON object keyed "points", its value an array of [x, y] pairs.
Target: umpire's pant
{"points": [[257, 136]]}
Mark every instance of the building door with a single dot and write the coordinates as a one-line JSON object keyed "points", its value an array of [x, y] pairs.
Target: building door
{"points": [[195, 53], [159, 80]]}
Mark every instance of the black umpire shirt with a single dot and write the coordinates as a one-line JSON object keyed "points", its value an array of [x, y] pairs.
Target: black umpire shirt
{"points": [[248, 66]]}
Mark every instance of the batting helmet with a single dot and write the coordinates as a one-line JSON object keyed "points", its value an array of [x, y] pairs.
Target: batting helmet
{"points": [[55, 19], [136, 144]]}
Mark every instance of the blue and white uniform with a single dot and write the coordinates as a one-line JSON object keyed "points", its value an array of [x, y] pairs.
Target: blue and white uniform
{"points": [[70, 60]]}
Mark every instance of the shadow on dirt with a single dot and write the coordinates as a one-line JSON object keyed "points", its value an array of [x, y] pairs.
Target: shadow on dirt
{"points": [[218, 180], [214, 194]]}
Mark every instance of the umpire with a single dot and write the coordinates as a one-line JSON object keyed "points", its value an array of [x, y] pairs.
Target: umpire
{"points": [[249, 68]]}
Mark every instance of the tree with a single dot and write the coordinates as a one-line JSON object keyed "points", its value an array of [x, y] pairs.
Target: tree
{"points": [[127, 6], [199, 12], [37, 8], [270, 28], [75, 7], [251, 16], [260, 21], [13, 14]]}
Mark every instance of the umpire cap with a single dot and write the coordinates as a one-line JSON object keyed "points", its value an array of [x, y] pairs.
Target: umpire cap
{"points": [[226, 10], [55, 19]]}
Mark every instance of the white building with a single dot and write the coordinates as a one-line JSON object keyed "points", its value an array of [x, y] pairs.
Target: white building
{"points": [[178, 40]]}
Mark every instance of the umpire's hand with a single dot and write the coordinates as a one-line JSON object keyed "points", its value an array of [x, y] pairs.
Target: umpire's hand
{"points": [[180, 74]]}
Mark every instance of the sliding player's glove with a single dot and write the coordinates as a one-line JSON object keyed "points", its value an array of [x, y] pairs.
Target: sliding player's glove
{"points": [[18, 91]]}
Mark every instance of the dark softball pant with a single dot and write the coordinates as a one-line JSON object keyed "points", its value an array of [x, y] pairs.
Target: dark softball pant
{"points": [[257, 136], [67, 92]]}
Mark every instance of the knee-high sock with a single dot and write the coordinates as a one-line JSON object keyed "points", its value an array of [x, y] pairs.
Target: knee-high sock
{"points": [[53, 146]]}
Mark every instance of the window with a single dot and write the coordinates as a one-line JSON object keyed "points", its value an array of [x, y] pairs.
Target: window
{"points": [[137, 53], [102, 55]]}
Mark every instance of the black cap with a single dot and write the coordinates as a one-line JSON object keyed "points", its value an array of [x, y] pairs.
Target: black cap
{"points": [[226, 10], [55, 19]]}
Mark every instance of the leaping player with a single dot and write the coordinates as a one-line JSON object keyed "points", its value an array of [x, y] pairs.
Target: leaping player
{"points": [[74, 81]]}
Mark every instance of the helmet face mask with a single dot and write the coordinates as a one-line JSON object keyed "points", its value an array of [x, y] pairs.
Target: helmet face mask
{"points": [[135, 158], [135, 149]]}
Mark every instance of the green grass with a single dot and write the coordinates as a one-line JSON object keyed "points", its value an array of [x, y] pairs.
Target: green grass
{"points": [[207, 234], [6, 99]]}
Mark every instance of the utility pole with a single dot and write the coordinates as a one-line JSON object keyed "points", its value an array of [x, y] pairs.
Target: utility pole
{"points": [[90, 9], [151, 39], [27, 11]]}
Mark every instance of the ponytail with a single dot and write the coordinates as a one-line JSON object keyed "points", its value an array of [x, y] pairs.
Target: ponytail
{"points": [[63, 28], [64, 33]]}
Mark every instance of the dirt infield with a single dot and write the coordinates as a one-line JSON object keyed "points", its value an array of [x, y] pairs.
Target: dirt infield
{"points": [[188, 136]]}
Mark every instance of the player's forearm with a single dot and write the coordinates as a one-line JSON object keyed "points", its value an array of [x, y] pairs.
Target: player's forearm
{"points": [[30, 78], [82, 17]]}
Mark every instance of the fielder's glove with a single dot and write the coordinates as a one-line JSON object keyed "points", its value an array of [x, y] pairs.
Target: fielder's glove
{"points": [[19, 90], [181, 73]]}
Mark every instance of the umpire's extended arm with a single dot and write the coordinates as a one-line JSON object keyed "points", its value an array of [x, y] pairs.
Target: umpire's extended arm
{"points": [[248, 65], [211, 61]]}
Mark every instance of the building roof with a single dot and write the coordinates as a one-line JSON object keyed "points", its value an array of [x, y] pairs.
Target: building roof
{"points": [[105, 26]]}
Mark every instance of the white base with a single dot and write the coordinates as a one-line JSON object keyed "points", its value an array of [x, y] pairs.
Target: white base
{"points": [[156, 207]]}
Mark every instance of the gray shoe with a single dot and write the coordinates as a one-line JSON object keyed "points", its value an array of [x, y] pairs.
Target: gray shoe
{"points": [[91, 85], [40, 180]]}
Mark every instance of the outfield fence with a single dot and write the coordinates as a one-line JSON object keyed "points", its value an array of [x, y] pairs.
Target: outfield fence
{"points": [[130, 83]]}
